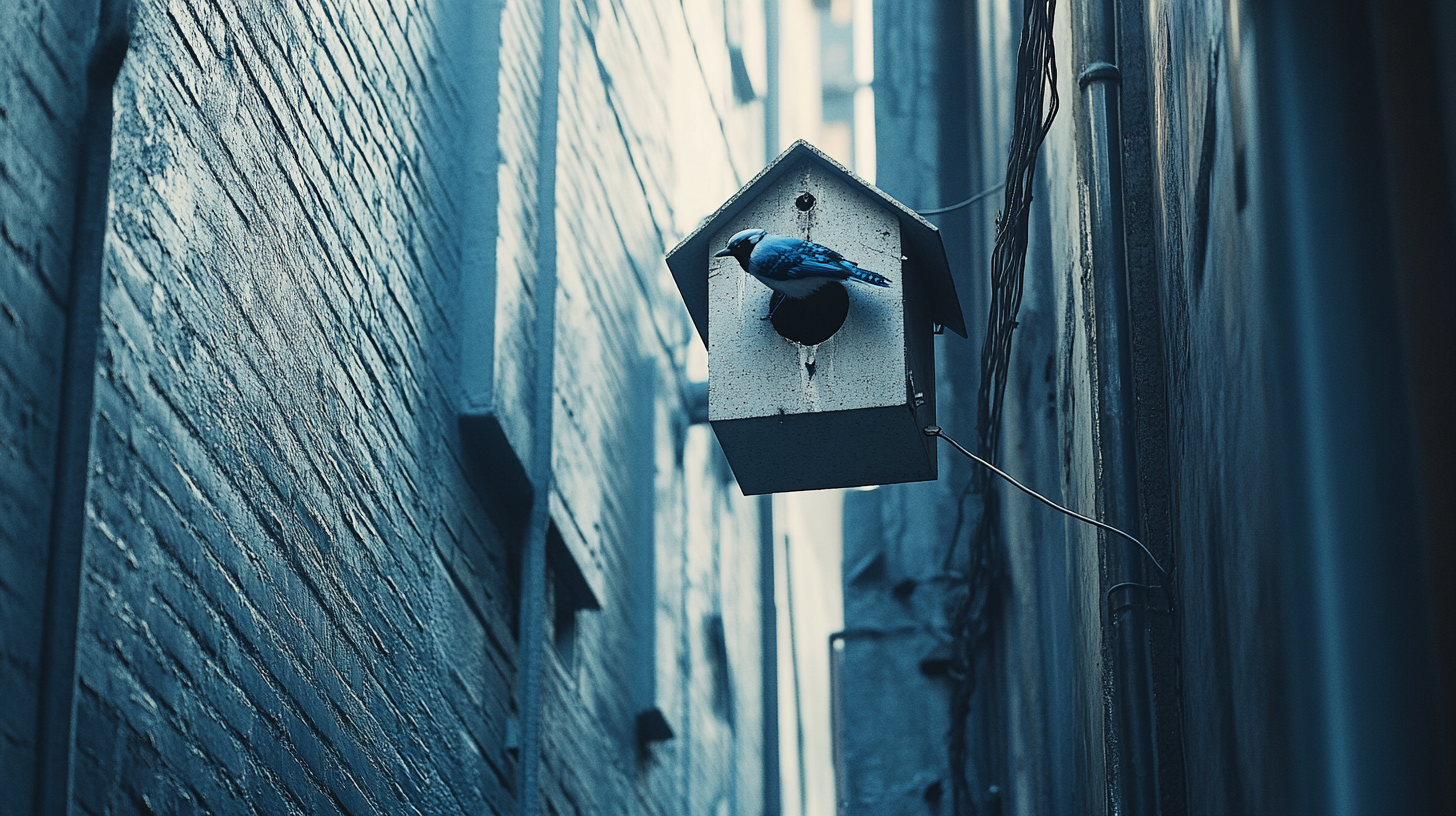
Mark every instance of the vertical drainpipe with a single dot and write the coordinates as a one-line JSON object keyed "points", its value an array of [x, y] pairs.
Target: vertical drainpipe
{"points": [[1134, 774], [533, 558], [771, 93], [768, 610], [769, 648], [55, 718]]}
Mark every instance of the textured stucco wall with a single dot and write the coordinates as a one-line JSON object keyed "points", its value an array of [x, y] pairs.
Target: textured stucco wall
{"points": [[293, 598], [1307, 654]]}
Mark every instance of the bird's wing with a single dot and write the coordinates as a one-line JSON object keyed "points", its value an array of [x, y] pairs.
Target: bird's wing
{"points": [[775, 257], [821, 261], [782, 257], [824, 252], [825, 266]]}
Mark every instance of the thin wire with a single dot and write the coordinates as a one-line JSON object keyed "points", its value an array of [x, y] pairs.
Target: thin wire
{"points": [[968, 202], [934, 430]]}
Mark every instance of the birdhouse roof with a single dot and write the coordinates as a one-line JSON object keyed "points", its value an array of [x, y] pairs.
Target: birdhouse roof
{"points": [[919, 239]]}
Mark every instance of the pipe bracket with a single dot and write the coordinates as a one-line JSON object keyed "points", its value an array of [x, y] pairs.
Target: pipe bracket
{"points": [[1126, 594], [1098, 72]]}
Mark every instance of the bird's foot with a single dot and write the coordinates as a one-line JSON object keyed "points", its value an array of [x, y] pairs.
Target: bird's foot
{"points": [[773, 305]]}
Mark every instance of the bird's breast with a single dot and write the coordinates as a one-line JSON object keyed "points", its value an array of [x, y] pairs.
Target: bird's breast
{"points": [[794, 287]]}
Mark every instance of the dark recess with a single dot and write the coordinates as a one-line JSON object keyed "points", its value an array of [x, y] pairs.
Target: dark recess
{"points": [[811, 320]]}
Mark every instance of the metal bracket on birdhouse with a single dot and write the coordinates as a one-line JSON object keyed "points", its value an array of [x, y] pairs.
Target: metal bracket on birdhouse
{"points": [[917, 398]]}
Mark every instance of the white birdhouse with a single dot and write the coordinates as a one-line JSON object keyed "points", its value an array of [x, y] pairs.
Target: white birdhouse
{"points": [[834, 389]]}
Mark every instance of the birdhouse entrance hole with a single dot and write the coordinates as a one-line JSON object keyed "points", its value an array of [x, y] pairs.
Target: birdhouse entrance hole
{"points": [[812, 320]]}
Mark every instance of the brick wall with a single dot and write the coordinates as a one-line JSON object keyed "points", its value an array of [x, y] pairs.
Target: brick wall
{"points": [[293, 598]]}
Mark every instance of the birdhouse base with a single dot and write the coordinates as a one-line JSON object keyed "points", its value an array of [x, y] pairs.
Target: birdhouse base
{"points": [[789, 452]]}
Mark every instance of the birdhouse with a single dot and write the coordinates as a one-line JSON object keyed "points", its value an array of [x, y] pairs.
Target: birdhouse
{"points": [[832, 389]]}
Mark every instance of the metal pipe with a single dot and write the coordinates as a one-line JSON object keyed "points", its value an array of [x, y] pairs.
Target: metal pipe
{"points": [[55, 717], [771, 93], [773, 803], [532, 655], [794, 667], [1134, 788]]}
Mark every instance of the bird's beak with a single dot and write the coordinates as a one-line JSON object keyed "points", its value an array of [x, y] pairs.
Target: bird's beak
{"points": [[722, 253]]}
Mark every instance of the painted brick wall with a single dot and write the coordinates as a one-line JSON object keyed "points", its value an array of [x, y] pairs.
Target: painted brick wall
{"points": [[293, 600], [618, 313], [267, 625]]}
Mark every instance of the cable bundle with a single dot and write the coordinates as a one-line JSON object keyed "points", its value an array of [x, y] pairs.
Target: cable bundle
{"points": [[1036, 88], [973, 607]]}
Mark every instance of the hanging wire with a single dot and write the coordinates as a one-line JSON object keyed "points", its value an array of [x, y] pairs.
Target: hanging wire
{"points": [[986, 193], [974, 607], [1036, 85], [934, 430]]}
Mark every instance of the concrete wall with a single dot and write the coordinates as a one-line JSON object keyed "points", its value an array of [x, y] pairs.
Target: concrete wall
{"points": [[1211, 257], [1292, 353], [294, 597], [1268, 240]]}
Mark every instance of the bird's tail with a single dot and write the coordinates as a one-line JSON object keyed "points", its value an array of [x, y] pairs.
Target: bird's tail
{"points": [[873, 278]]}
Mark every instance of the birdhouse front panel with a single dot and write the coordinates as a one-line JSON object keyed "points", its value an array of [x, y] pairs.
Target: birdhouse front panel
{"points": [[840, 412]]}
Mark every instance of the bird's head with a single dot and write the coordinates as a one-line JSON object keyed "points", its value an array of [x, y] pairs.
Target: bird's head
{"points": [[740, 246]]}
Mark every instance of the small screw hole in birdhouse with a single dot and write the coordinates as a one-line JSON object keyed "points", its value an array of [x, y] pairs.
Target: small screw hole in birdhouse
{"points": [[805, 202], [811, 320]]}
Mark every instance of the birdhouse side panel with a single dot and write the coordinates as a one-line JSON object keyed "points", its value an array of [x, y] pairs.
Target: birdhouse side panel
{"points": [[753, 371], [920, 352]]}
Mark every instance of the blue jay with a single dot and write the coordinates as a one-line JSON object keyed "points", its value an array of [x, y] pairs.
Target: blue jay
{"points": [[791, 267]]}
